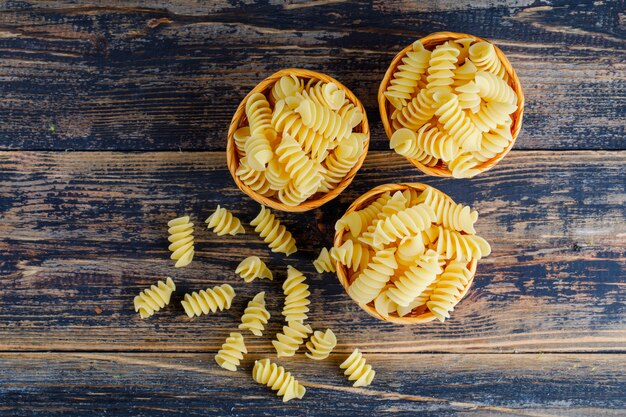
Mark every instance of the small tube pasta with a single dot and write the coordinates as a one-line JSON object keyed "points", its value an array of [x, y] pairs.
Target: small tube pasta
{"points": [[255, 316], [321, 344], [275, 377], [273, 233], [253, 267], [182, 242], [296, 296], [293, 335], [222, 222], [230, 355], [151, 300], [209, 300], [357, 369]]}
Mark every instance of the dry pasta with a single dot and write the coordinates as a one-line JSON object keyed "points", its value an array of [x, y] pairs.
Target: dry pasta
{"points": [[253, 267], [231, 353], [181, 238], [222, 222], [357, 369], [255, 316], [296, 296], [275, 377], [321, 344], [293, 335], [368, 284], [151, 300], [209, 300], [324, 263], [273, 233], [447, 292]]}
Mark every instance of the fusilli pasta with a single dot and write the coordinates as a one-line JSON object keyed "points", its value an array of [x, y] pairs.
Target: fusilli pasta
{"points": [[275, 377], [415, 280], [231, 353], [368, 284], [209, 300], [324, 263], [296, 296], [151, 300], [255, 316], [447, 292], [181, 238], [253, 267], [357, 369], [321, 344], [273, 233], [222, 222], [293, 335]]}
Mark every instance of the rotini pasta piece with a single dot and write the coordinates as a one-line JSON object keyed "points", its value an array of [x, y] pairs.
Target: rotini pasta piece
{"points": [[468, 96], [241, 136], [447, 292], [408, 222], [181, 239], [404, 142], [458, 125], [324, 263], [483, 55], [219, 297], [273, 233], [222, 222], [296, 296], [464, 166], [276, 175], [492, 114], [342, 160], [259, 114], [409, 249], [151, 300], [417, 112], [464, 73], [255, 316], [321, 344], [293, 335], [410, 196], [396, 203], [351, 254], [253, 267], [275, 377], [323, 120], [358, 369], [358, 220], [441, 65], [286, 86], [462, 248], [463, 46], [258, 150], [403, 85], [415, 280], [384, 305], [351, 113], [448, 213], [368, 284], [304, 172], [292, 196], [256, 180], [230, 355], [418, 301], [327, 94], [428, 139], [493, 88], [494, 143]]}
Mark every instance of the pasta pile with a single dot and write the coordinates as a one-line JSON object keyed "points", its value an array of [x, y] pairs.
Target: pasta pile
{"points": [[409, 249], [452, 106], [300, 140]]}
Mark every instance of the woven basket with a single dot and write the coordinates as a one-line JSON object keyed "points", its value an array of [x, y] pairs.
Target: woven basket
{"points": [[239, 120], [430, 42], [419, 314]]}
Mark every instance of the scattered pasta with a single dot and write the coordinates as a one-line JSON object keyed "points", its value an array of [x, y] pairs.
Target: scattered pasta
{"points": [[302, 139], [253, 267], [451, 106], [151, 300], [275, 377], [404, 251], [358, 370], [231, 353], [181, 238], [222, 222], [296, 296], [321, 344], [324, 263], [273, 233], [255, 316], [209, 300], [293, 335]]}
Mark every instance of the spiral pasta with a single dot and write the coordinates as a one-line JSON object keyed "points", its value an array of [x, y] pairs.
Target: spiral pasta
{"points": [[327, 94], [418, 111], [456, 246], [351, 254], [293, 335], [405, 80], [181, 239], [255, 316], [241, 136], [286, 86], [493, 88], [409, 249], [404, 223], [357, 369], [321, 344], [490, 115], [368, 284], [384, 305], [253, 267], [276, 175], [358, 221], [210, 300], [222, 222], [428, 139], [323, 120], [447, 292], [341, 161], [275, 377], [324, 263], [483, 55], [256, 180], [420, 300], [395, 204], [292, 196], [464, 166], [273, 233], [415, 280], [230, 355], [458, 125], [151, 300], [296, 296], [304, 172], [494, 143], [448, 213], [259, 114], [441, 65]]}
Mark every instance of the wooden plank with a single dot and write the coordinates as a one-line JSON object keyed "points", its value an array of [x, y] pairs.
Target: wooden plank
{"points": [[442, 384], [86, 77], [85, 231]]}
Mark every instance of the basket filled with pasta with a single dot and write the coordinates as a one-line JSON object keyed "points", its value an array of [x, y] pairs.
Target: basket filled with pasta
{"points": [[452, 104], [406, 253], [297, 140]]}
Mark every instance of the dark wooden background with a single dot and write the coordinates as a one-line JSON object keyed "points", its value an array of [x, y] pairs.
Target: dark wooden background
{"points": [[113, 120]]}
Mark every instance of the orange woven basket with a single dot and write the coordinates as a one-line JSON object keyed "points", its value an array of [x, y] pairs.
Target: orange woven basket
{"points": [[430, 42], [239, 120], [419, 314]]}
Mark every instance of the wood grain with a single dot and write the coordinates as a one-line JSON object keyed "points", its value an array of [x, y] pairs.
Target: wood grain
{"points": [[84, 232], [87, 77], [153, 384]]}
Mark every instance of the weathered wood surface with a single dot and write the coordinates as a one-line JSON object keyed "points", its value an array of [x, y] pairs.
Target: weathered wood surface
{"points": [[169, 76], [153, 384], [86, 230]]}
